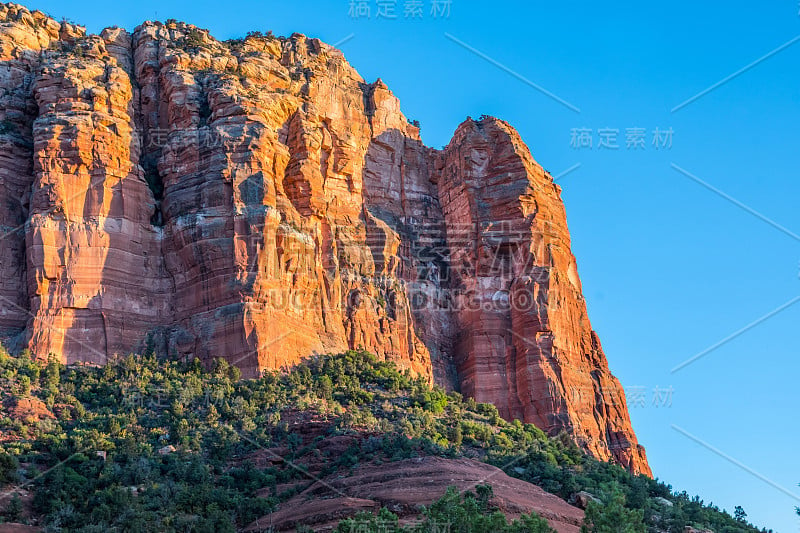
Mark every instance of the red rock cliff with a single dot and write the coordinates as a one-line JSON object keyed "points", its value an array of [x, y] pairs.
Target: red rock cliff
{"points": [[257, 200]]}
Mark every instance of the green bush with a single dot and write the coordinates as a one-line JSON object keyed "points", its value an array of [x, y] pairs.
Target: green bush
{"points": [[8, 468], [468, 512], [611, 515]]}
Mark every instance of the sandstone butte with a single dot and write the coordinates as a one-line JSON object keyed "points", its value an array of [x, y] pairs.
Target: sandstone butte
{"points": [[257, 200]]}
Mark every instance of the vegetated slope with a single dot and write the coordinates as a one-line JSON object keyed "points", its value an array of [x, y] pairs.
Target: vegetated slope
{"points": [[142, 444]]}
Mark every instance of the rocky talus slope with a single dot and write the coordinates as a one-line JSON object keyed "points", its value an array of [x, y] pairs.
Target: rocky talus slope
{"points": [[258, 200]]}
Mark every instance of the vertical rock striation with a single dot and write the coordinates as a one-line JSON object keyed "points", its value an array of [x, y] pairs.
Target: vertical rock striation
{"points": [[524, 339], [257, 200]]}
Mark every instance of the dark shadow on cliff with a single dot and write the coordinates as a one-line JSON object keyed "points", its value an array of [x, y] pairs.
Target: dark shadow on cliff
{"points": [[398, 177], [16, 181]]}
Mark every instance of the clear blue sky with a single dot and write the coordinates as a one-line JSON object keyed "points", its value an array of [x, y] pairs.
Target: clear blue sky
{"points": [[669, 267]]}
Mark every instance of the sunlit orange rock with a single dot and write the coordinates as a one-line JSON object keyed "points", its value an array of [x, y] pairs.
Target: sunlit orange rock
{"points": [[525, 342], [257, 200]]}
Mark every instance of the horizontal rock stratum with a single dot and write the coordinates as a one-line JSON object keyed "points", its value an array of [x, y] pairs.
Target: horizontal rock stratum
{"points": [[257, 200]]}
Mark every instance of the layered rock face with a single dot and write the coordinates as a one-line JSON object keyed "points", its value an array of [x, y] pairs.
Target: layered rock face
{"points": [[524, 339], [257, 200]]}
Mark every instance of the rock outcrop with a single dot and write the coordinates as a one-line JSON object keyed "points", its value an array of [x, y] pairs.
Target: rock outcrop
{"points": [[257, 200], [405, 486]]}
